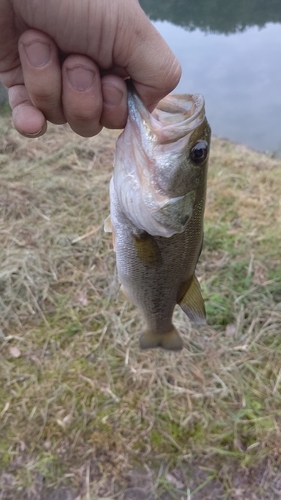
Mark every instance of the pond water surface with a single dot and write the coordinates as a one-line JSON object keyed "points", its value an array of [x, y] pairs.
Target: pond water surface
{"points": [[231, 53]]}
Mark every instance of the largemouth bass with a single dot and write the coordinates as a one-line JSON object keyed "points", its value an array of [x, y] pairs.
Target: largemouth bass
{"points": [[157, 201]]}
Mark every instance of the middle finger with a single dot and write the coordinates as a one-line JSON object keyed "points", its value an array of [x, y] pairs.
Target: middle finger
{"points": [[82, 95]]}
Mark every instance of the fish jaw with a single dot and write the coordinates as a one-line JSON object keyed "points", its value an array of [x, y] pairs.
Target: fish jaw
{"points": [[153, 174]]}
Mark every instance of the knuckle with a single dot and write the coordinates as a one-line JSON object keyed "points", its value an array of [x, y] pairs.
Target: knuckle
{"points": [[84, 111], [85, 131], [41, 97]]}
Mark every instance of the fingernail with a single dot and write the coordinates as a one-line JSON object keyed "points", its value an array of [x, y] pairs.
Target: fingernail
{"points": [[38, 54], [112, 96], [81, 78], [37, 134]]}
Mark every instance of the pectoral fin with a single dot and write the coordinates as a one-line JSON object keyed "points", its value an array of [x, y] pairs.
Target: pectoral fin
{"points": [[147, 249], [192, 302], [170, 341]]}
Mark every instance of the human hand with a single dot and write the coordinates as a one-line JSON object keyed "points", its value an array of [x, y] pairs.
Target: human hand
{"points": [[66, 61]]}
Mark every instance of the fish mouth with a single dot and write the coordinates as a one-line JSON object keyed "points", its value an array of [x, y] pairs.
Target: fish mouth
{"points": [[174, 117], [179, 108]]}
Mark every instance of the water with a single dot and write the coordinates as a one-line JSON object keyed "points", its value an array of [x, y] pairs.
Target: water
{"points": [[231, 53]]}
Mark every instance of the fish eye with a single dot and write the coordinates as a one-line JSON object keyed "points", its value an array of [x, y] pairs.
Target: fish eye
{"points": [[199, 152]]}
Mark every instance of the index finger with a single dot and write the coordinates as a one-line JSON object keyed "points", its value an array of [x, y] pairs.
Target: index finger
{"points": [[148, 60]]}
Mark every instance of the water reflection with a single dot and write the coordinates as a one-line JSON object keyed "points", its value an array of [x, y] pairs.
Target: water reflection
{"points": [[217, 16], [239, 73]]}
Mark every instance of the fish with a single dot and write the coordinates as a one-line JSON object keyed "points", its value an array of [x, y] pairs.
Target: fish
{"points": [[157, 202]]}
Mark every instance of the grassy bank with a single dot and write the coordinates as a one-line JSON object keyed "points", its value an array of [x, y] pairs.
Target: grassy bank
{"points": [[83, 412]]}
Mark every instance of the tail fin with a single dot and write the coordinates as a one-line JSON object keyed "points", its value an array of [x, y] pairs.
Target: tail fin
{"points": [[170, 341]]}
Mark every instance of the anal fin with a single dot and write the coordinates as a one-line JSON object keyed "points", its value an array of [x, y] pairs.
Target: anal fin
{"points": [[192, 302]]}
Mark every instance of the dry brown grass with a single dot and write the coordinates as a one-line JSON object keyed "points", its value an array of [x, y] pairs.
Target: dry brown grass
{"points": [[82, 409]]}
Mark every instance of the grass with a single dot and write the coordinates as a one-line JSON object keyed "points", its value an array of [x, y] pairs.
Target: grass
{"points": [[82, 409]]}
